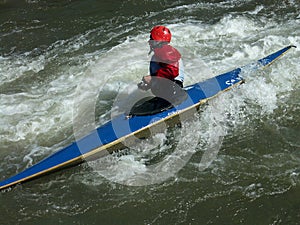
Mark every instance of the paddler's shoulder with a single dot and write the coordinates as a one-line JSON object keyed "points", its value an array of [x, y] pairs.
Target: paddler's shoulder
{"points": [[167, 53]]}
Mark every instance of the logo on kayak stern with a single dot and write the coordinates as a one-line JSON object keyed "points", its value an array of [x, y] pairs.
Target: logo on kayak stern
{"points": [[233, 81]]}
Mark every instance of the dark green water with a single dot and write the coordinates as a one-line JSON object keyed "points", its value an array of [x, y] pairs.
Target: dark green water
{"points": [[54, 54]]}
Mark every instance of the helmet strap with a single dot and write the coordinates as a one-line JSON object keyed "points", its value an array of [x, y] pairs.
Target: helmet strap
{"points": [[157, 44]]}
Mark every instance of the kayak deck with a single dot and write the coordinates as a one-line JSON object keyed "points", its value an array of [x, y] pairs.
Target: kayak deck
{"points": [[123, 130]]}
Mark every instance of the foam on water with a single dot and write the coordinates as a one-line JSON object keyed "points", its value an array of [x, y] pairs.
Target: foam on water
{"points": [[245, 166], [13, 68], [78, 81], [232, 42]]}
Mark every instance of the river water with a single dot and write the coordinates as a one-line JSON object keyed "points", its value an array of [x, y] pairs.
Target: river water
{"points": [[237, 162]]}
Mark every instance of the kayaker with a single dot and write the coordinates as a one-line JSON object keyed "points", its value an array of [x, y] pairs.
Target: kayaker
{"points": [[166, 67]]}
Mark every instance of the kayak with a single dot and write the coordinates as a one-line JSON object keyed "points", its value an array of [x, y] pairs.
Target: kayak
{"points": [[123, 130]]}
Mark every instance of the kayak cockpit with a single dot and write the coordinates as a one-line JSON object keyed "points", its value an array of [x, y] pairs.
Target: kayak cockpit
{"points": [[152, 105]]}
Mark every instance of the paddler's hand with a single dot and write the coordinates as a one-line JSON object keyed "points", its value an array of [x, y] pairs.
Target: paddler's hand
{"points": [[145, 84], [147, 79]]}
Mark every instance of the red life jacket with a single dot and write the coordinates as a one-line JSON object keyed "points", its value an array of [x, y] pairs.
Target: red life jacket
{"points": [[168, 59]]}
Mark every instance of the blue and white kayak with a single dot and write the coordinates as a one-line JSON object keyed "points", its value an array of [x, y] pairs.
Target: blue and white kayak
{"points": [[112, 135]]}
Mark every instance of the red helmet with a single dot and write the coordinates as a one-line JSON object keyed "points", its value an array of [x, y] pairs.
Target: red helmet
{"points": [[161, 33]]}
